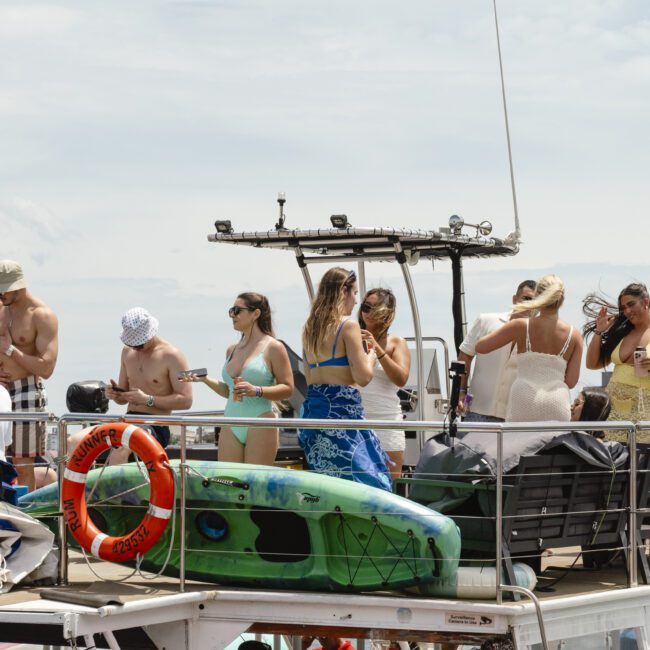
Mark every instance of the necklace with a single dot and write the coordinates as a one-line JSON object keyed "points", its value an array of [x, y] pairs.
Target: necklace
{"points": [[139, 360]]}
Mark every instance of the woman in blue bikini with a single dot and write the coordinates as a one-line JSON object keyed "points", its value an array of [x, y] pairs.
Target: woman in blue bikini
{"points": [[335, 363], [261, 366]]}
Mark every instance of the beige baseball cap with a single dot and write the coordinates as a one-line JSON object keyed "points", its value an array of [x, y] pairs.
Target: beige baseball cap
{"points": [[11, 276]]}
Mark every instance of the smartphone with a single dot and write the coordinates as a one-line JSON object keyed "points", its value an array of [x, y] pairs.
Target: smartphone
{"points": [[116, 388], [365, 345], [199, 372], [639, 355]]}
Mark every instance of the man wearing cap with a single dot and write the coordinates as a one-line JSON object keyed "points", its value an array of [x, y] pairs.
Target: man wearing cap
{"points": [[28, 352], [148, 380]]}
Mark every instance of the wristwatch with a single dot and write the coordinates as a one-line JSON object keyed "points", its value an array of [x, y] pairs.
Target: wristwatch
{"points": [[10, 350], [151, 401]]}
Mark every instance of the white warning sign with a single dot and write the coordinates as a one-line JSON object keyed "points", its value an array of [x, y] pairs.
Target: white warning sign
{"points": [[469, 620]]}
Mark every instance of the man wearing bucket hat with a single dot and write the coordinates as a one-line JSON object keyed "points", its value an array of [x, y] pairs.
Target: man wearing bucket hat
{"points": [[28, 352], [149, 370]]}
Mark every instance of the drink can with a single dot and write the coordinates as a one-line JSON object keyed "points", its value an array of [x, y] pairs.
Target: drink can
{"points": [[639, 355], [237, 380]]}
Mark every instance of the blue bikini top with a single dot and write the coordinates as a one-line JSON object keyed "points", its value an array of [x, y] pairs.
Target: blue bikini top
{"points": [[333, 361]]}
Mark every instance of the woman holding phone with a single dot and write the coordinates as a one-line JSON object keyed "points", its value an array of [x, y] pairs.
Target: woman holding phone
{"points": [[256, 373], [618, 332], [391, 361]]}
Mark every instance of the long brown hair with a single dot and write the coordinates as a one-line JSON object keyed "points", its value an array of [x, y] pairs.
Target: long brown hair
{"points": [[258, 301], [621, 326], [327, 310], [383, 311]]}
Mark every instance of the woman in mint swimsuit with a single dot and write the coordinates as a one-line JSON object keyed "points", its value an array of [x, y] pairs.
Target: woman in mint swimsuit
{"points": [[262, 365]]}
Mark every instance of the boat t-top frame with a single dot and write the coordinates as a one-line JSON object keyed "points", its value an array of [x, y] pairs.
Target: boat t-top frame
{"points": [[344, 244]]}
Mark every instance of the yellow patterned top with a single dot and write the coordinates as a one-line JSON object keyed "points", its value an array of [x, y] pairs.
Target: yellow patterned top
{"points": [[630, 396]]}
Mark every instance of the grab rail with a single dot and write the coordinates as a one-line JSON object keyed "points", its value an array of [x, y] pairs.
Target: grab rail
{"points": [[185, 420]]}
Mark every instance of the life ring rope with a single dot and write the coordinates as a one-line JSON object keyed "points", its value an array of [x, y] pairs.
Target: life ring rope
{"points": [[161, 500]]}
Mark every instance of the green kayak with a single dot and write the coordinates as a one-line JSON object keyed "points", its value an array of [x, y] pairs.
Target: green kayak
{"points": [[251, 525]]}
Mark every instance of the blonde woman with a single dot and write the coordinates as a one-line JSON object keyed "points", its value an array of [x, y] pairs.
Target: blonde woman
{"points": [[548, 362], [335, 363], [391, 361]]}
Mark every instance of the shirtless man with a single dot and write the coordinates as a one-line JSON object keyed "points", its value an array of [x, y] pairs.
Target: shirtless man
{"points": [[148, 381], [28, 350]]}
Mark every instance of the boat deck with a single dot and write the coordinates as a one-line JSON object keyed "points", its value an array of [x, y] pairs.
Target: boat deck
{"points": [[152, 613]]}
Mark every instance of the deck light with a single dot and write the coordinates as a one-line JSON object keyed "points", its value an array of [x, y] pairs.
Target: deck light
{"points": [[340, 221], [223, 227], [282, 199], [456, 224]]}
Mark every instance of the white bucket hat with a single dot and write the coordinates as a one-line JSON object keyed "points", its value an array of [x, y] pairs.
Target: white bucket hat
{"points": [[11, 276], [138, 327]]}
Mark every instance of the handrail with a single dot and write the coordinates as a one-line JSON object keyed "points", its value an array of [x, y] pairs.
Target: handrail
{"points": [[538, 609], [498, 428]]}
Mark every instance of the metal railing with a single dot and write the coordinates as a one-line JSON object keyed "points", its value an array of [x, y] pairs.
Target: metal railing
{"points": [[498, 429]]}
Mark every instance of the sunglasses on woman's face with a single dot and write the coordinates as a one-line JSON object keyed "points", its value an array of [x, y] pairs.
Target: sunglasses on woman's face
{"points": [[236, 310], [366, 307]]}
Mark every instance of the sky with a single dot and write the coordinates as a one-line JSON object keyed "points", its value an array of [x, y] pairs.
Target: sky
{"points": [[127, 128]]}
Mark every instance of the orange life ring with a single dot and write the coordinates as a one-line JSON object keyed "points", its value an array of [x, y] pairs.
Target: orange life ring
{"points": [[161, 500]]}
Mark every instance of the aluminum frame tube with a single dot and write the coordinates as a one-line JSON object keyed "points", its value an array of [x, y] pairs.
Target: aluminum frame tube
{"points": [[62, 528], [306, 276], [183, 473], [498, 538], [632, 580], [415, 312], [361, 277]]}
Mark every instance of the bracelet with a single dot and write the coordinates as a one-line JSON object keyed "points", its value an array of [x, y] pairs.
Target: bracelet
{"points": [[381, 357], [258, 391], [597, 333]]}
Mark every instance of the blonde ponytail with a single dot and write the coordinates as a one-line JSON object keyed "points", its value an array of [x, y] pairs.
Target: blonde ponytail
{"points": [[550, 293]]}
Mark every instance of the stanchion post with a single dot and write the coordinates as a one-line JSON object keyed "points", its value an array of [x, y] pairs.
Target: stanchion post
{"points": [[62, 528], [632, 540], [499, 516], [182, 506]]}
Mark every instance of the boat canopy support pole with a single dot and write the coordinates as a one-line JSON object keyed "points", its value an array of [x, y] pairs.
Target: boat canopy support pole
{"points": [[458, 299], [400, 256], [306, 276], [361, 275]]}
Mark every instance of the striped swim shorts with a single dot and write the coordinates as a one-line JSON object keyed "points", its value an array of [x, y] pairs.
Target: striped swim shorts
{"points": [[27, 395]]}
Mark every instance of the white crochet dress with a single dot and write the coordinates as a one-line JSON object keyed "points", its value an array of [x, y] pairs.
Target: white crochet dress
{"points": [[539, 392]]}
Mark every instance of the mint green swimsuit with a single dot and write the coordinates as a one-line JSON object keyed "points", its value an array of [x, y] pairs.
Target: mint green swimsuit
{"points": [[257, 373]]}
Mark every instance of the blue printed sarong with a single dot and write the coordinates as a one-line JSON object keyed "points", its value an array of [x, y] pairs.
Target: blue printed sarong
{"points": [[353, 454]]}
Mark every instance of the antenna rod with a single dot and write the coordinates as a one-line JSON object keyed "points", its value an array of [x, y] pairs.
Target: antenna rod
{"points": [[505, 114]]}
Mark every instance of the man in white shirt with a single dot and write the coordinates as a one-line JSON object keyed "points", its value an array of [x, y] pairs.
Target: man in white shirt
{"points": [[493, 374]]}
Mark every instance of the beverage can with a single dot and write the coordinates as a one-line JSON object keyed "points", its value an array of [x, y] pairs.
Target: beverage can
{"points": [[237, 380], [639, 355]]}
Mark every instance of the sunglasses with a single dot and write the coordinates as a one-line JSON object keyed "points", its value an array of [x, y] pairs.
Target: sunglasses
{"points": [[366, 307], [526, 298], [137, 347], [236, 310]]}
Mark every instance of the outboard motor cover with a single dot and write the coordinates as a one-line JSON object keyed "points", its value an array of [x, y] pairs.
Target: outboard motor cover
{"points": [[87, 397]]}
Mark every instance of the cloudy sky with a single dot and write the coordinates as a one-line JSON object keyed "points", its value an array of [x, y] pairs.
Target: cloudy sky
{"points": [[127, 128]]}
